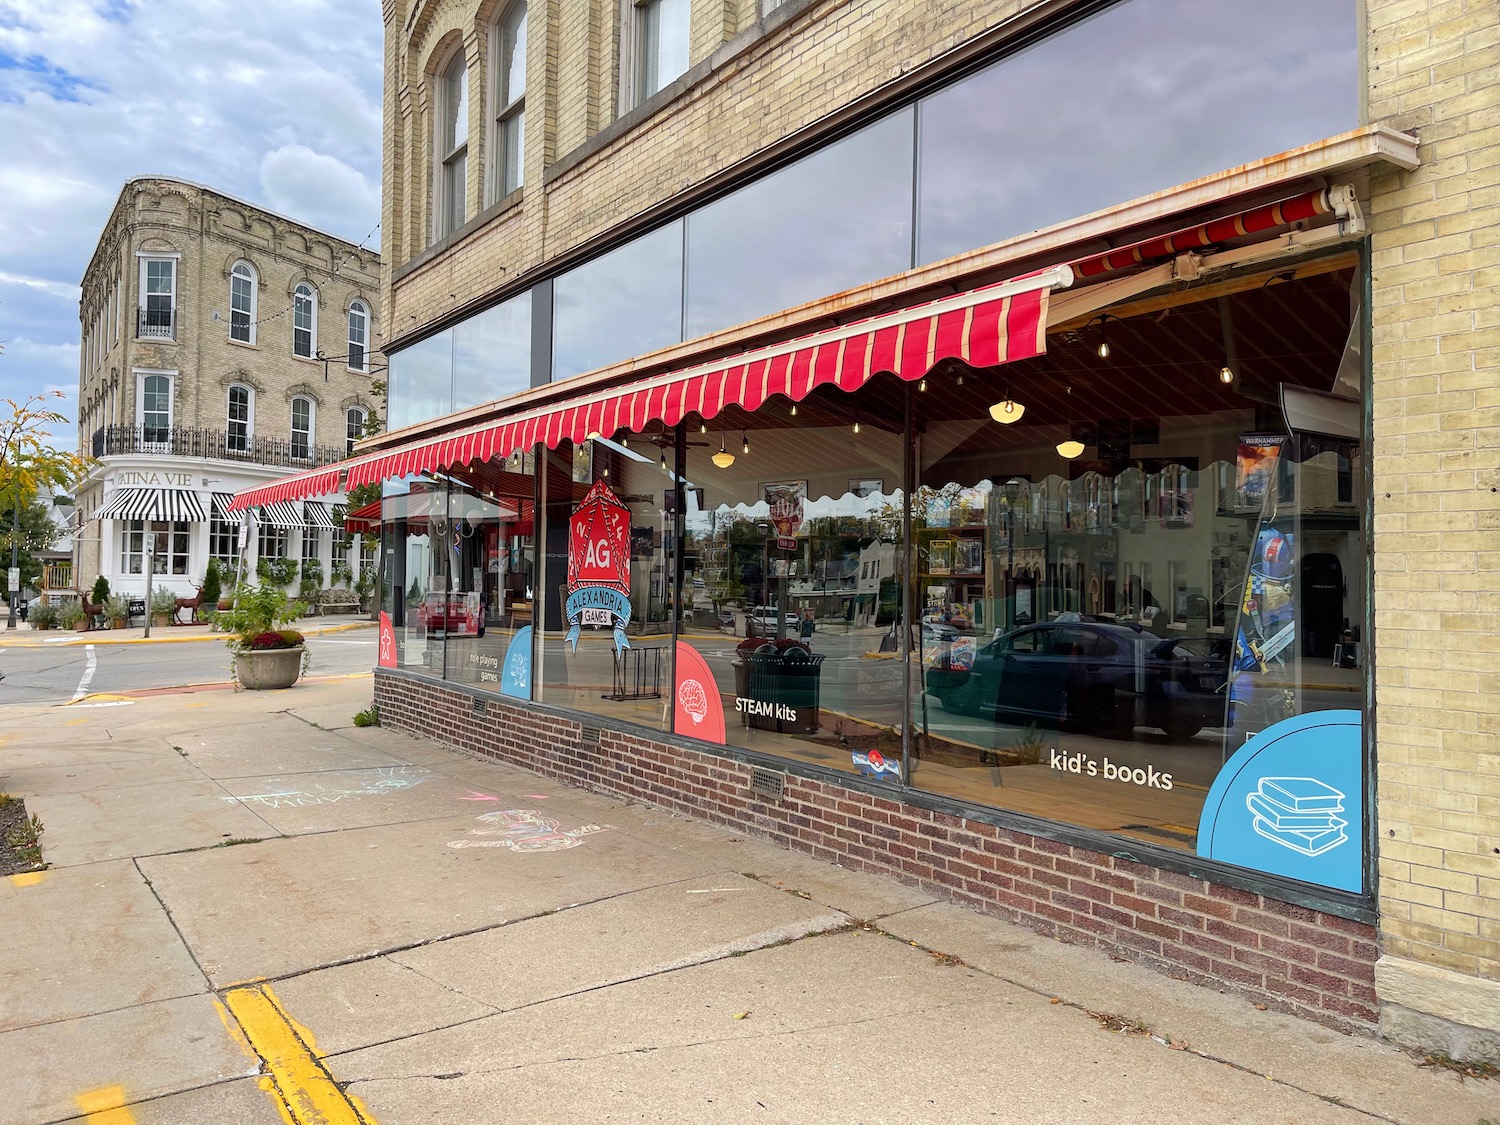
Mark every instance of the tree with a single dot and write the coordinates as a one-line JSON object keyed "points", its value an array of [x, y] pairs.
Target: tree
{"points": [[37, 533], [27, 463]]}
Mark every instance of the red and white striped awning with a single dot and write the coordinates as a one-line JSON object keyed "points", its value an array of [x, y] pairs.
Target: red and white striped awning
{"points": [[319, 482]]}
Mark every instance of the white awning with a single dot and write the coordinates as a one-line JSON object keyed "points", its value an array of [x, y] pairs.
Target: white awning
{"points": [[280, 513], [318, 515], [172, 504], [221, 502]]}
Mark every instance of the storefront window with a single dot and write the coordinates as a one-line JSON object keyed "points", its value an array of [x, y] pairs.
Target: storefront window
{"points": [[421, 381], [492, 353]]}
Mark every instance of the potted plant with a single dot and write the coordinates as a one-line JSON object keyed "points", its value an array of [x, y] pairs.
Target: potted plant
{"points": [[71, 616], [117, 610], [340, 573], [364, 586], [163, 606], [100, 593], [266, 655], [212, 587], [42, 615]]}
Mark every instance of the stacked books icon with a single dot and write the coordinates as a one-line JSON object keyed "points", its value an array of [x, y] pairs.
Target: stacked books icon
{"points": [[1298, 813]]}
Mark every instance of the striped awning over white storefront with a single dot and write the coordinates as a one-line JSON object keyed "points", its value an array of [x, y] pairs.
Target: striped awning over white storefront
{"points": [[318, 514], [280, 513], [166, 504], [222, 512]]}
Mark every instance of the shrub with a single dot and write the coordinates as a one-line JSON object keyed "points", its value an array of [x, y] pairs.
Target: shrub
{"points": [[211, 585], [312, 571], [70, 614], [100, 593], [117, 608], [369, 717], [163, 602], [43, 615], [341, 574], [276, 572], [255, 620]]}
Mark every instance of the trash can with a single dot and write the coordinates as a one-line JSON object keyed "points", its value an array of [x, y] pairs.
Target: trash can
{"points": [[782, 690]]}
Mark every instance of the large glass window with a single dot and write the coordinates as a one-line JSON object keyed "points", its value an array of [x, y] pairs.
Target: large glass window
{"points": [[1139, 111], [452, 136], [661, 44], [621, 304], [241, 420], [832, 220], [155, 409], [359, 337], [304, 321], [224, 546], [354, 427], [272, 542], [157, 317], [420, 381], [168, 542], [242, 298], [508, 43], [492, 353], [303, 412]]}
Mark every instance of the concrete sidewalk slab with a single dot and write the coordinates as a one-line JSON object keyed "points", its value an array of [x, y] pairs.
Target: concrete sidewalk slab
{"points": [[149, 767], [141, 820], [55, 969], [147, 1050], [649, 931], [239, 1102], [359, 892], [886, 1032], [1363, 1073], [277, 744]]}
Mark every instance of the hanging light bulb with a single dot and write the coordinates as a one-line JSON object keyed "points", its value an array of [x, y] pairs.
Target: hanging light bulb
{"points": [[703, 427], [664, 460], [1226, 376], [922, 386], [1103, 349], [723, 459], [1007, 410], [744, 443], [1070, 448], [794, 410], [960, 380], [625, 441], [856, 427]]}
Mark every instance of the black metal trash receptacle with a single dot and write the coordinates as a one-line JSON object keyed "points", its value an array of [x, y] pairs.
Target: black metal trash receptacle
{"points": [[783, 690]]}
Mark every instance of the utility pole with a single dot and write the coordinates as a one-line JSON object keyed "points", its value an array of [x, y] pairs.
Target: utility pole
{"points": [[15, 560], [148, 545]]}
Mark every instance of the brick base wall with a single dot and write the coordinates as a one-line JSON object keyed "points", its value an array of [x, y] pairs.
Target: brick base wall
{"points": [[1288, 957]]}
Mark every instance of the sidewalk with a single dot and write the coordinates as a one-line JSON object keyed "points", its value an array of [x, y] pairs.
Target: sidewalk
{"points": [[24, 636], [258, 913]]}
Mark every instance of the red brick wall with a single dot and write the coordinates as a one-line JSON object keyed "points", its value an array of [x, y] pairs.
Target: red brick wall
{"points": [[1288, 957]]}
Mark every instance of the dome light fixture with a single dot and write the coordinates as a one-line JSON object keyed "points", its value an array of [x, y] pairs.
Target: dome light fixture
{"points": [[1007, 410], [1070, 448], [723, 459]]}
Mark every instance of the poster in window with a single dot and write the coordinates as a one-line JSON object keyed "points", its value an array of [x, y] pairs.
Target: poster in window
{"points": [[863, 489], [940, 557], [1255, 469], [969, 556], [786, 500]]}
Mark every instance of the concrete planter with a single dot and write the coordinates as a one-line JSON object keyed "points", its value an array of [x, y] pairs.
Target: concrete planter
{"points": [[268, 669]]}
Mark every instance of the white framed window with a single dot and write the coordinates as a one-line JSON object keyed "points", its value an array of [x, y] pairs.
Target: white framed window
{"points": [[452, 143], [272, 542], [304, 412], [242, 301], [311, 542], [156, 317], [304, 320], [171, 546], [359, 337], [241, 418], [224, 546], [153, 406], [508, 135], [661, 44], [354, 426]]}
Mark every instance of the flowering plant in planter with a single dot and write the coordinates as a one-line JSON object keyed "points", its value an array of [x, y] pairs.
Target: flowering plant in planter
{"points": [[256, 634]]}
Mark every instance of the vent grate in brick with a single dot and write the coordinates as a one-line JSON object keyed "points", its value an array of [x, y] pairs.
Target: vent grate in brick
{"points": [[588, 735], [768, 783], [478, 706]]}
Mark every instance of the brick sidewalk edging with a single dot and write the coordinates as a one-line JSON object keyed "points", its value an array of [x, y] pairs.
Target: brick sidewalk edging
{"points": [[1291, 958]]}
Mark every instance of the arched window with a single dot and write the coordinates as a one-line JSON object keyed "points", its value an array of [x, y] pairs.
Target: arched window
{"points": [[304, 320], [304, 414], [452, 143], [354, 422], [242, 303], [359, 337], [508, 102], [241, 418]]}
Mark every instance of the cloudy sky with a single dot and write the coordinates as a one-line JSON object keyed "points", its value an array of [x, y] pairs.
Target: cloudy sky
{"points": [[275, 101]]}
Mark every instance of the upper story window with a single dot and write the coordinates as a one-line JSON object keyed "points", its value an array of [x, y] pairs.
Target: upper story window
{"points": [[508, 145], [359, 337], [303, 414], [661, 44], [241, 420], [157, 316], [304, 320], [153, 411], [242, 303], [452, 136], [354, 422]]}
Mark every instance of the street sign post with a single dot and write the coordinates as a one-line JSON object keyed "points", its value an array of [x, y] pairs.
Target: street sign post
{"points": [[13, 579]]}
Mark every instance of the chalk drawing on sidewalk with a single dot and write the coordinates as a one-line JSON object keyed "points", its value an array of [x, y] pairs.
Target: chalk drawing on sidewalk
{"points": [[526, 830], [350, 785]]}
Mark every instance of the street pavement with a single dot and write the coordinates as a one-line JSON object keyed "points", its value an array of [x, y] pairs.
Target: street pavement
{"points": [[256, 913]]}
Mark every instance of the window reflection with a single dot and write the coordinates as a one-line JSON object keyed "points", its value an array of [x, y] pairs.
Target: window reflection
{"points": [[492, 353], [421, 381]]}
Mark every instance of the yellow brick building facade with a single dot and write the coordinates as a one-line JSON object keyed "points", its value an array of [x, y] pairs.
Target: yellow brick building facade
{"points": [[761, 83]]}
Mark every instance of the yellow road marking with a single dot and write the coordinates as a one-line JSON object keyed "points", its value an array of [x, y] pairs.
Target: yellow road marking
{"points": [[74, 722], [28, 878], [304, 1092], [105, 1106]]}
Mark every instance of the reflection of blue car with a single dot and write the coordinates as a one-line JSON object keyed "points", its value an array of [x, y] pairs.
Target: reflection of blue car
{"points": [[1112, 678]]}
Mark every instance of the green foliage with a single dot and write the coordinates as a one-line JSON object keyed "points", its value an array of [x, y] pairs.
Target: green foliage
{"points": [[163, 601], [28, 463], [312, 570], [43, 615], [309, 589], [257, 610], [341, 573], [100, 593], [38, 533], [276, 572], [117, 608], [364, 585], [70, 614], [415, 593], [369, 717], [211, 585]]}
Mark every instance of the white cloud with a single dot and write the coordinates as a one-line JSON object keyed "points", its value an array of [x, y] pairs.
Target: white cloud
{"points": [[277, 102]]}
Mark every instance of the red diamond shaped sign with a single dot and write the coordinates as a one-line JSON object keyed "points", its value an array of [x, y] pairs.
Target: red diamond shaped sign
{"points": [[599, 541]]}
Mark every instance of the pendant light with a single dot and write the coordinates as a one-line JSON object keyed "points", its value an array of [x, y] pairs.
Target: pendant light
{"points": [[723, 459], [1070, 448], [1226, 375], [856, 427], [1007, 410], [794, 410], [744, 443]]}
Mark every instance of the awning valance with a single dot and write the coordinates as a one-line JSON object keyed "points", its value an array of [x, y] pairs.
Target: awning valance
{"points": [[280, 513], [984, 327], [222, 509], [319, 482], [167, 504], [318, 515], [364, 520]]}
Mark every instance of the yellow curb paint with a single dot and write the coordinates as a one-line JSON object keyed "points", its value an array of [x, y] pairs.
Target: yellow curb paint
{"points": [[105, 1106], [27, 878], [303, 1090], [74, 722]]}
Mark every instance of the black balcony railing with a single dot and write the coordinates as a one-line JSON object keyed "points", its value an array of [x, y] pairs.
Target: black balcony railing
{"points": [[110, 441], [156, 324]]}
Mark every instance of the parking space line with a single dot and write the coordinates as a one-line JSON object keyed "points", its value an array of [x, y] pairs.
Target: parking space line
{"points": [[303, 1090]]}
